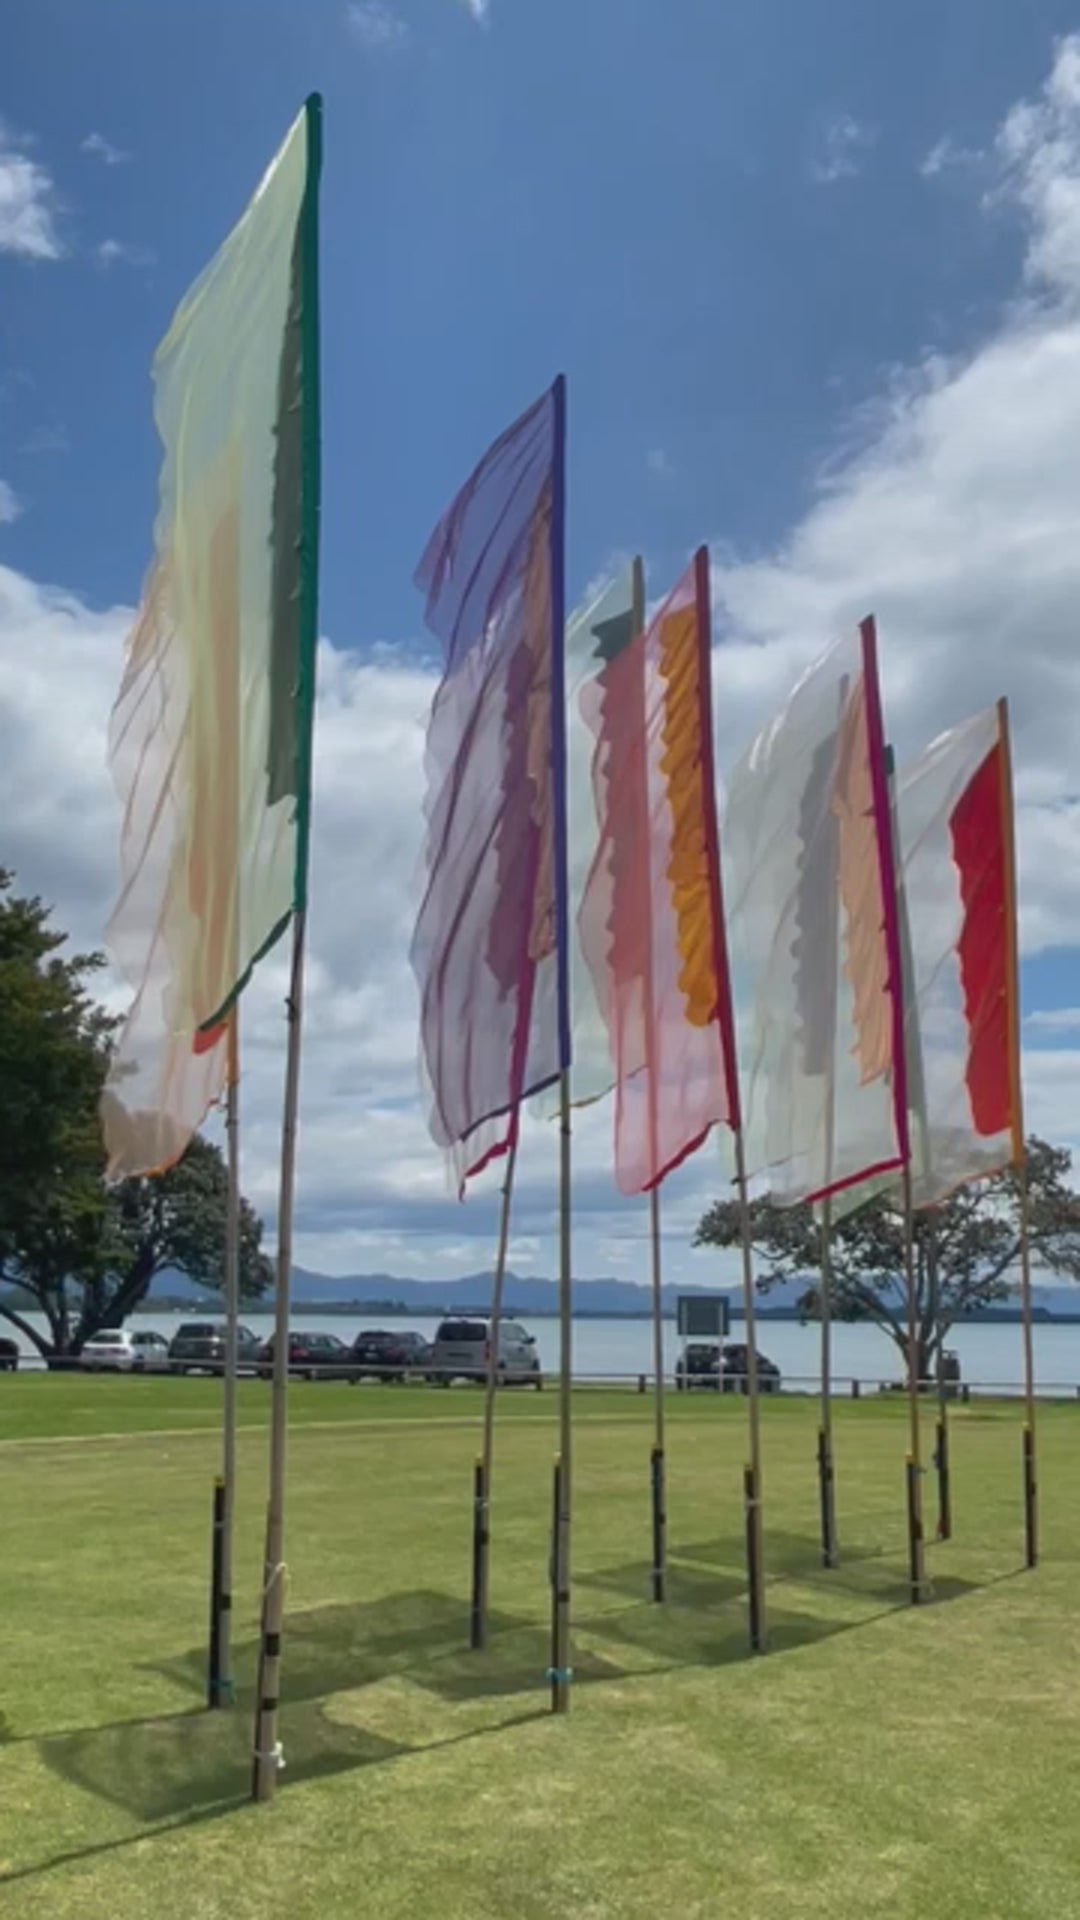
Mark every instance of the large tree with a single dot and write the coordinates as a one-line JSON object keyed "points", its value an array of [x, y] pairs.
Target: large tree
{"points": [[84, 1253], [966, 1250]]}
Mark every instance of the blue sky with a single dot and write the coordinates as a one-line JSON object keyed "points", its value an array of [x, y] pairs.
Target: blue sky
{"points": [[814, 276], [629, 190]]}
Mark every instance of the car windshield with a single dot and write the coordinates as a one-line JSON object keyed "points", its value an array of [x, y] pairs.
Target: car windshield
{"points": [[198, 1331], [112, 1335], [462, 1330]]}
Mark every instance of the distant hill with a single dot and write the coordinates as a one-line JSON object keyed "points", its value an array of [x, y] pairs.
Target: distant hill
{"points": [[533, 1295]]}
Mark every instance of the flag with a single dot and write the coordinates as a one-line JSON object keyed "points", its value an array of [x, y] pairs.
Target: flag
{"points": [[957, 895], [210, 738], [651, 917], [815, 935], [597, 628], [489, 948]]}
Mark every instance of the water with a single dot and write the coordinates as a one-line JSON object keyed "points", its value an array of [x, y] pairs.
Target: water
{"points": [[989, 1355]]}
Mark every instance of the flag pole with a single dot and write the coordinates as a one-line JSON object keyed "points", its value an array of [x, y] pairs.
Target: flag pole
{"points": [[941, 1445], [659, 1492], [752, 1477], [657, 1458], [483, 1474], [916, 1542], [560, 1673], [826, 1470], [268, 1755], [1019, 1142], [224, 1676]]}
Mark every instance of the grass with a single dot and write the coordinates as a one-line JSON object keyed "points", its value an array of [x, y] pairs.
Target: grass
{"points": [[879, 1761]]}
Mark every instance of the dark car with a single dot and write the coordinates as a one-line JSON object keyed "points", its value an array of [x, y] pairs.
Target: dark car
{"points": [[314, 1356], [199, 1347], [703, 1365], [390, 1356]]}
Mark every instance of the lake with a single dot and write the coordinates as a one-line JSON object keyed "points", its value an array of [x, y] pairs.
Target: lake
{"points": [[990, 1356]]}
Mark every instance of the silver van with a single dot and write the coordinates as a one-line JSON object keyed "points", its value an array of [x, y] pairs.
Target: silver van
{"points": [[462, 1351]]}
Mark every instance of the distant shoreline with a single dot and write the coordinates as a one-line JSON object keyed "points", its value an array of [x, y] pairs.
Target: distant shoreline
{"points": [[395, 1310]]}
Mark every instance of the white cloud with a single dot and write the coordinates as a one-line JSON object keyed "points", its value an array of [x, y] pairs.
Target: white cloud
{"points": [[376, 25], [1039, 149], [1052, 1020], [956, 519], [10, 507], [658, 462], [104, 150], [27, 203], [945, 155], [112, 253], [480, 10], [844, 143]]}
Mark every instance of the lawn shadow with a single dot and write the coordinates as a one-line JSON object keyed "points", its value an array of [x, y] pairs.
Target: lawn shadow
{"points": [[420, 1636], [199, 1764], [863, 1571], [700, 1585]]}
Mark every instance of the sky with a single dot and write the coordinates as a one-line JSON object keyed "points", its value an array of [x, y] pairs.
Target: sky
{"points": [[814, 278]]}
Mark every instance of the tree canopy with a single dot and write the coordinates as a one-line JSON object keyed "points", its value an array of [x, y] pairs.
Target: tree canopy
{"points": [[965, 1250], [85, 1253]]}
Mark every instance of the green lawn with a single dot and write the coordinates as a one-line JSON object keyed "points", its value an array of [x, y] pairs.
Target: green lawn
{"points": [[878, 1761]]}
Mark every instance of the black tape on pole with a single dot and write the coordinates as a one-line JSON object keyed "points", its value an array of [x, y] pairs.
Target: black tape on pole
{"points": [[478, 1610], [217, 1560], [914, 1521], [825, 1491], [753, 1562], [659, 1524], [943, 1465], [558, 1677], [1031, 1501]]}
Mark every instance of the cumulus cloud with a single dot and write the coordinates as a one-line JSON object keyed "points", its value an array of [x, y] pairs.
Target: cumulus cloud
{"points": [[104, 150], [843, 146], [376, 26], [27, 203], [479, 9], [955, 519], [946, 155], [10, 507], [112, 253]]}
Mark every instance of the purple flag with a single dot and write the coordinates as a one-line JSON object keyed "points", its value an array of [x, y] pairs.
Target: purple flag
{"points": [[489, 948]]}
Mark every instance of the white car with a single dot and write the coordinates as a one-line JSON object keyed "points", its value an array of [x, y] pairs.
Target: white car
{"points": [[114, 1350]]}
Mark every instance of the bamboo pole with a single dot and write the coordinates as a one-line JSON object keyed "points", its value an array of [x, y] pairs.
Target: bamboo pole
{"points": [[826, 1471], [482, 1505], [941, 1449], [268, 1757], [232, 1311], [916, 1544], [560, 1672], [752, 1481], [659, 1493], [1031, 1496]]}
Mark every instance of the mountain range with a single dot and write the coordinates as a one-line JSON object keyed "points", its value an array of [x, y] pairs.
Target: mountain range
{"points": [[537, 1296]]}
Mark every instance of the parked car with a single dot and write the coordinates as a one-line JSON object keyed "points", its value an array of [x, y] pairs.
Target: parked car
{"points": [[390, 1356], [703, 1364], [115, 1350], [9, 1356], [462, 1351], [314, 1356], [199, 1347]]}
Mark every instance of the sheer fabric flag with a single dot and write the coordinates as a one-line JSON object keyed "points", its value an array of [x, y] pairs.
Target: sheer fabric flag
{"points": [[815, 936], [651, 918], [210, 741], [489, 948], [593, 632], [954, 825]]}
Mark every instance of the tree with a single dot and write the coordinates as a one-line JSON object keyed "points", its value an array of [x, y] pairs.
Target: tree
{"points": [[965, 1249], [86, 1253]]}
